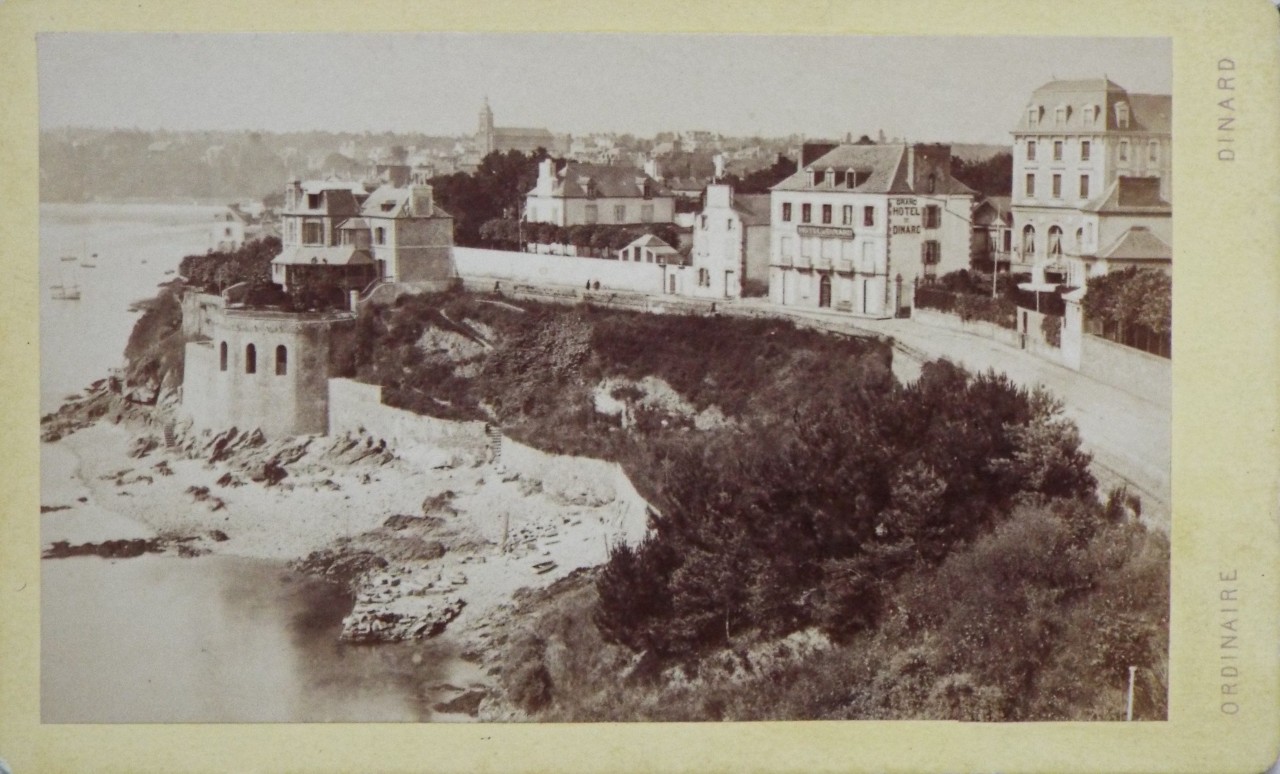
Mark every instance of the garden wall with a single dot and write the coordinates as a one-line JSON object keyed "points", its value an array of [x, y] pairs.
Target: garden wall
{"points": [[490, 266], [1147, 376]]}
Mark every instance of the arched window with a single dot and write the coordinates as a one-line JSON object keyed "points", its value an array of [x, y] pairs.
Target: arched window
{"points": [[250, 359], [1055, 242], [1029, 240], [282, 360], [222, 356]]}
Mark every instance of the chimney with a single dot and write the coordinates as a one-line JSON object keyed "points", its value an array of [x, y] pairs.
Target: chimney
{"points": [[546, 176], [719, 196], [911, 165], [652, 170], [421, 201]]}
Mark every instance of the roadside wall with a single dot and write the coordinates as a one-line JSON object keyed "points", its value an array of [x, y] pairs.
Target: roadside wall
{"points": [[1146, 376], [989, 330], [489, 266]]}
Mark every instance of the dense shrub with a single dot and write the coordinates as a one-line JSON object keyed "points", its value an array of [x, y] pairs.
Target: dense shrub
{"points": [[1131, 297], [216, 271], [1051, 327], [803, 521]]}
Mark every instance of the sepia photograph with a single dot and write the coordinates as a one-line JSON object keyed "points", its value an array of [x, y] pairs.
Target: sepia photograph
{"points": [[577, 378]]}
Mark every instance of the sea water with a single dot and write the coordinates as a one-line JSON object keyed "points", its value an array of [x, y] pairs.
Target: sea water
{"points": [[165, 639]]}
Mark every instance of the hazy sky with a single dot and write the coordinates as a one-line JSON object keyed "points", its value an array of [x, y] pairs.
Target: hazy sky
{"points": [[956, 89]]}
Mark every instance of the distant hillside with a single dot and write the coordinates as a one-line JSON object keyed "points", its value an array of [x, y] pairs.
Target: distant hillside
{"points": [[971, 152]]}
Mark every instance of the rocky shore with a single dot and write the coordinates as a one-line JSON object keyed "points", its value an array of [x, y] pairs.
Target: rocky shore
{"points": [[426, 552]]}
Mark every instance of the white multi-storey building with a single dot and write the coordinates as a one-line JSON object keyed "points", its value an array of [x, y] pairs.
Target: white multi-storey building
{"points": [[595, 194], [1092, 184], [730, 243], [857, 225]]}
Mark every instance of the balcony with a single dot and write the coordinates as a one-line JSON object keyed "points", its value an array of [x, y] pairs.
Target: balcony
{"points": [[844, 266], [784, 260], [804, 262], [822, 263]]}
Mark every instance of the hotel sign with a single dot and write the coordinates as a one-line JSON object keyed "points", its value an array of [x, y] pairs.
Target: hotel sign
{"points": [[825, 232], [904, 215]]}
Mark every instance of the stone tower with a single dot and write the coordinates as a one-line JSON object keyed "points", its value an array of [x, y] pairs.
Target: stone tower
{"points": [[484, 132]]}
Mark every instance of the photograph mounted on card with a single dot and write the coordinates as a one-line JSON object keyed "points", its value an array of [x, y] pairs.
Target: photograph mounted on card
{"points": [[745, 391]]}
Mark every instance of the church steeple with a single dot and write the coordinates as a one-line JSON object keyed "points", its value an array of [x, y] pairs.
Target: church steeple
{"points": [[484, 133]]}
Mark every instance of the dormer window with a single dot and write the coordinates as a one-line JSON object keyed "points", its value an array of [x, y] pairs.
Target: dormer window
{"points": [[388, 206], [817, 177], [831, 178], [812, 177], [1033, 116], [313, 201], [1060, 114], [850, 178], [1122, 115], [1091, 113]]}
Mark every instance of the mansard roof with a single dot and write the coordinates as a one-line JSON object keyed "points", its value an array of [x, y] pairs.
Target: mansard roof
{"points": [[885, 167], [1148, 113], [607, 180]]}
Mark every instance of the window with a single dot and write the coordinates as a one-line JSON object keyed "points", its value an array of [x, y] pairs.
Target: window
{"points": [[1124, 150], [222, 356], [931, 252], [1055, 242], [728, 224], [1084, 186], [826, 213], [282, 361], [313, 201], [229, 229], [619, 213], [1032, 116], [1057, 186], [1031, 185], [868, 216], [806, 213], [850, 178], [250, 359], [1079, 241], [1153, 154], [1084, 150], [1122, 115], [786, 249], [703, 220], [379, 236], [817, 177], [646, 213], [846, 215], [932, 185], [590, 213], [1029, 241], [1060, 115], [312, 233], [786, 212], [1057, 150], [932, 216], [1031, 150]]}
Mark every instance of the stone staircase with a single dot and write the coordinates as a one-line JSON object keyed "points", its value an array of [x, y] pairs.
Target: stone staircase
{"points": [[494, 435]]}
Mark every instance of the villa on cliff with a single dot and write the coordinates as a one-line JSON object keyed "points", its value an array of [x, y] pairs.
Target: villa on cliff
{"points": [[335, 233]]}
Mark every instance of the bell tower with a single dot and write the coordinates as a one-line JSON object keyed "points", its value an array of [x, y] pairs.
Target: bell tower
{"points": [[484, 133]]}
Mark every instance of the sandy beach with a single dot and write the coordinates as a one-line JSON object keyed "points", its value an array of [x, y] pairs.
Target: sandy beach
{"points": [[490, 531]]}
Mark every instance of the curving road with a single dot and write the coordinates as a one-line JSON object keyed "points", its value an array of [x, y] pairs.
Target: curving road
{"points": [[1128, 436]]}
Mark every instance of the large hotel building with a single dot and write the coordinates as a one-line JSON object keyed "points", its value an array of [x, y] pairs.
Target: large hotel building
{"points": [[1091, 182], [857, 225]]}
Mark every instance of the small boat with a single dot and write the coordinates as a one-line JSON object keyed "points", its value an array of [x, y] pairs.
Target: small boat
{"points": [[66, 292], [90, 264], [171, 271]]}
